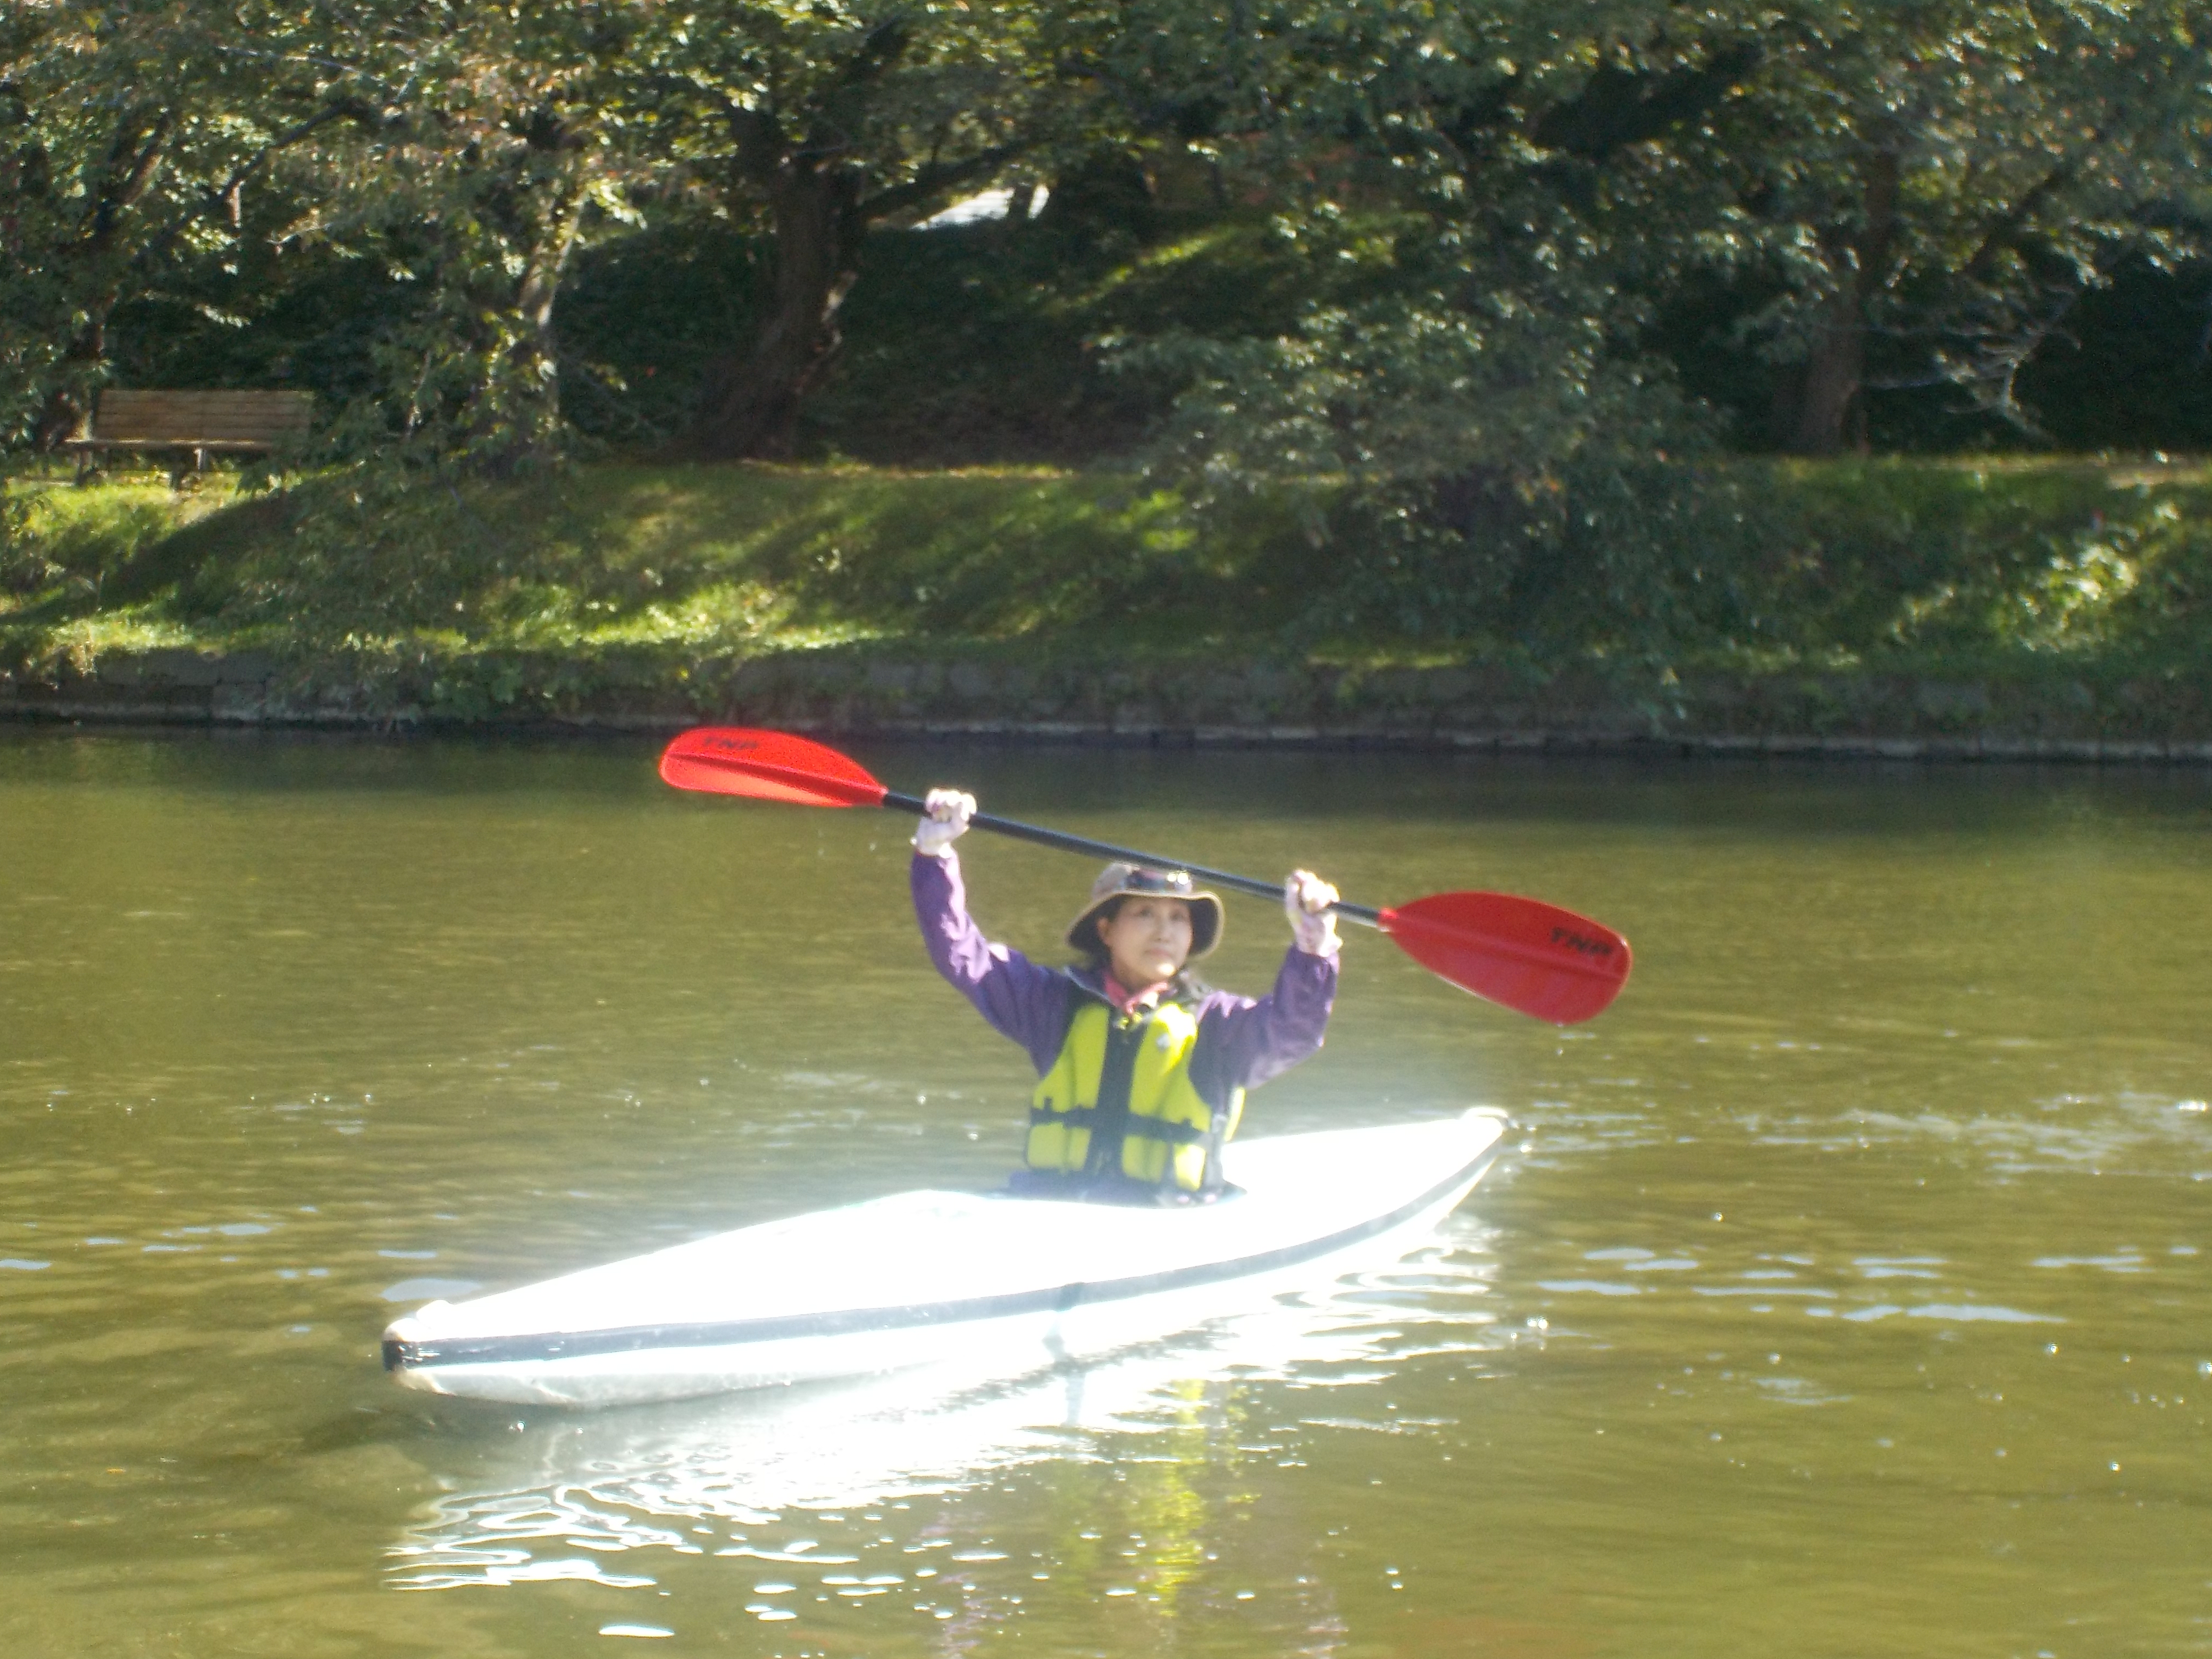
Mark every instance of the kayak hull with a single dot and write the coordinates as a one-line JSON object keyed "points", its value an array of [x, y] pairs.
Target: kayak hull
{"points": [[1002, 1284]]}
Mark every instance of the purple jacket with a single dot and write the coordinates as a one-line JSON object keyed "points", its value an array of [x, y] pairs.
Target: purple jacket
{"points": [[1241, 1043]]}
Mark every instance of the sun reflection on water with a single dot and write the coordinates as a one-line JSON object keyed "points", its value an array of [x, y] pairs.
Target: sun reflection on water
{"points": [[741, 1475]]}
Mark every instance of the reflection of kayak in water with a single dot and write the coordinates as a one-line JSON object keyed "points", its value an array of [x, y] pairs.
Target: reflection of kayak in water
{"points": [[922, 1276]]}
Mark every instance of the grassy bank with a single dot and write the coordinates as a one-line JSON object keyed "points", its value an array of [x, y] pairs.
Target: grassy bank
{"points": [[2048, 597], [691, 564]]}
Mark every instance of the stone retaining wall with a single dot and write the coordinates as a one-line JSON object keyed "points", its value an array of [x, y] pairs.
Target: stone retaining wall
{"points": [[1182, 703]]}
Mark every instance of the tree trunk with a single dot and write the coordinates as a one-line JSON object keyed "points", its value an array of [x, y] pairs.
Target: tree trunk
{"points": [[1816, 413], [751, 409], [1834, 371], [533, 360], [818, 217], [135, 156], [68, 409]]}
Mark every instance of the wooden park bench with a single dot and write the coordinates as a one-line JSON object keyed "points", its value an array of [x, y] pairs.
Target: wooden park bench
{"points": [[202, 423]]}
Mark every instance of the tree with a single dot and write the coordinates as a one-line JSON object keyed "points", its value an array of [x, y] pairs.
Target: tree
{"points": [[1930, 189], [820, 118], [1935, 184], [132, 135], [510, 144], [1483, 415]]}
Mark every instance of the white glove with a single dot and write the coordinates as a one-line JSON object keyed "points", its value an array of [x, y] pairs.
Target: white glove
{"points": [[949, 813], [1307, 897]]}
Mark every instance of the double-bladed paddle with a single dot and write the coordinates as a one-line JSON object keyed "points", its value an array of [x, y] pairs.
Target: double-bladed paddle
{"points": [[1520, 953]]}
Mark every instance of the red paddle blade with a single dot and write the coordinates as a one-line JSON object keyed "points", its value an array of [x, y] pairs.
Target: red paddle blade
{"points": [[733, 759], [1529, 955]]}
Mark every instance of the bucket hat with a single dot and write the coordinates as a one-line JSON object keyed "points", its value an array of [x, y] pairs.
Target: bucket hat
{"points": [[1121, 881]]}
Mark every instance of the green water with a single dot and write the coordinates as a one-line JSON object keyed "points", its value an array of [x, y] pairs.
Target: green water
{"points": [[1848, 1290]]}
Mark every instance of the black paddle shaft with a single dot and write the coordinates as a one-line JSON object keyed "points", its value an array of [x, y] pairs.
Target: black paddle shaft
{"points": [[1067, 843]]}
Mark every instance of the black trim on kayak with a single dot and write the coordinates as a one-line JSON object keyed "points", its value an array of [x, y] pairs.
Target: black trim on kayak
{"points": [[1060, 1298]]}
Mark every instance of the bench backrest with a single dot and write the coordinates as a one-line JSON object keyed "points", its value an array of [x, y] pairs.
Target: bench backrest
{"points": [[185, 418]]}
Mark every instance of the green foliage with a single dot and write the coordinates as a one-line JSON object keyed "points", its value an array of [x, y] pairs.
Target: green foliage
{"points": [[513, 146], [1490, 462], [644, 314], [306, 317], [900, 93], [398, 206]]}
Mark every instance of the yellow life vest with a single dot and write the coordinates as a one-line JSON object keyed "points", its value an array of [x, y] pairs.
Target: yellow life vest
{"points": [[1166, 1130]]}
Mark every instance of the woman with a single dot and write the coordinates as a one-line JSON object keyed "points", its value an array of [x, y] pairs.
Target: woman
{"points": [[1142, 1070]]}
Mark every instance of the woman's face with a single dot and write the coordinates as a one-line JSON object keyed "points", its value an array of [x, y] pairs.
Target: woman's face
{"points": [[1146, 939]]}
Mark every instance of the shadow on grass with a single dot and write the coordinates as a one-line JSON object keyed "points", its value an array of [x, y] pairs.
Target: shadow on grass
{"points": [[741, 560], [970, 554]]}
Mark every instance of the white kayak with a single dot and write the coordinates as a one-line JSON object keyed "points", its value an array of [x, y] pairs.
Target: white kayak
{"points": [[921, 1277]]}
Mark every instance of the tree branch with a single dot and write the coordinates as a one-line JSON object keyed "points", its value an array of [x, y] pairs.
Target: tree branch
{"points": [[343, 108], [123, 196], [222, 198], [881, 47], [2008, 224]]}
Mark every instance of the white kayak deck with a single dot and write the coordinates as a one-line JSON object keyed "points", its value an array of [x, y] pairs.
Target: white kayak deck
{"points": [[905, 1278]]}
